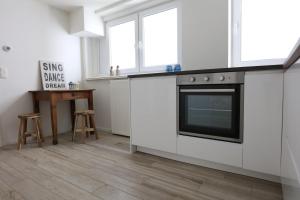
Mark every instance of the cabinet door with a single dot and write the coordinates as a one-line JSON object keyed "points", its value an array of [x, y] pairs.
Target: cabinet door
{"points": [[120, 112], [263, 121], [153, 113]]}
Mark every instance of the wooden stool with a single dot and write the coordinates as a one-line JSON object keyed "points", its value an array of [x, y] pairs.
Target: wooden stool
{"points": [[87, 116], [23, 133]]}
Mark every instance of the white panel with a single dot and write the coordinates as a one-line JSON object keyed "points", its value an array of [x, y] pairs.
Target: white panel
{"points": [[153, 113], [289, 173], [91, 56], [263, 121], [76, 21], [292, 110], [211, 150], [120, 107], [290, 165], [92, 22], [85, 23]]}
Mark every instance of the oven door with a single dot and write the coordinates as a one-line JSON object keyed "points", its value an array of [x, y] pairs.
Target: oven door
{"points": [[210, 111]]}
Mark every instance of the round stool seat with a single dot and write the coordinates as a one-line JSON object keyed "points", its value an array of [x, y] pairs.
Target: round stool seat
{"points": [[29, 115], [85, 112]]}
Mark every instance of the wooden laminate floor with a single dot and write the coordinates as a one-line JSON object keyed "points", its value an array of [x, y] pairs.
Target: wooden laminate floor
{"points": [[104, 169]]}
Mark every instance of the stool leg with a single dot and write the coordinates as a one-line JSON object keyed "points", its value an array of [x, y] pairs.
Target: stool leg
{"points": [[20, 135], [87, 121], [40, 129], [75, 127], [24, 131], [93, 123], [37, 131], [82, 128]]}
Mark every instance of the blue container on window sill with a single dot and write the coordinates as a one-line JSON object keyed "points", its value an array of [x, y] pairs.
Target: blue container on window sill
{"points": [[177, 68], [169, 68]]}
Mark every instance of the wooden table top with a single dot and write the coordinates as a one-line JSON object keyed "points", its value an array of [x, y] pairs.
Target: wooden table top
{"points": [[81, 90]]}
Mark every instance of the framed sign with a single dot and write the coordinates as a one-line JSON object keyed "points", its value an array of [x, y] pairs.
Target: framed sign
{"points": [[53, 75]]}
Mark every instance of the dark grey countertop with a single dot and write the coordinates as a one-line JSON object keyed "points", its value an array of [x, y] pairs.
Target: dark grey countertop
{"points": [[204, 71]]}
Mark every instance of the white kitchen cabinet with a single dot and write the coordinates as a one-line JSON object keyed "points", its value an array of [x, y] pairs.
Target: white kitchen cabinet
{"points": [[263, 121], [211, 150], [120, 107], [153, 113]]}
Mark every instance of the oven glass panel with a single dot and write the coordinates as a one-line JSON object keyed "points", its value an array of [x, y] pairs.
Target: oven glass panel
{"points": [[210, 111]]}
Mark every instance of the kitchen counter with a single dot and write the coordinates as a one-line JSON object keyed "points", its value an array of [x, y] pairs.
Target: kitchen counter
{"points": [[203, 71]]}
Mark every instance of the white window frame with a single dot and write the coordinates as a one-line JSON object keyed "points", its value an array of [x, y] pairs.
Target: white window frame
{"points": [[153, 11], [236, 42], [123, 20], [139, 51]]}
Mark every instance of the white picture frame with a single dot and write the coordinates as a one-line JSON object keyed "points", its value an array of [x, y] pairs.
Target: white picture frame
{"points": [[53, 75]]}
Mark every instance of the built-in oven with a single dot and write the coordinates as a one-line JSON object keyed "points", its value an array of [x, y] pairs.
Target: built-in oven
{"points": [[211, 106]]}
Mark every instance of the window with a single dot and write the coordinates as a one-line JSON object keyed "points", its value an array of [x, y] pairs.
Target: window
{"points": [[147, 41], [122, 41], [264, 31], [159, 38]]}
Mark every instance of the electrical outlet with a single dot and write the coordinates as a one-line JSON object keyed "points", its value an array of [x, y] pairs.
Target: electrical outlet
{"points": [[3, 73]]}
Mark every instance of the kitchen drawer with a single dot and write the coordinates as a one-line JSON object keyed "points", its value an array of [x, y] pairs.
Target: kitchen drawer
{"points": [[211, 150], [74, 95]]}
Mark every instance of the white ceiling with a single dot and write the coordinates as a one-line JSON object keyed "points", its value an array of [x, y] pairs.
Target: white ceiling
{"points": [[69, 5]]}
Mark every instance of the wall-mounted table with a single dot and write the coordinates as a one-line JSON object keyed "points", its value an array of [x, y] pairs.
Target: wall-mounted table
{"points": [[54, 96]]}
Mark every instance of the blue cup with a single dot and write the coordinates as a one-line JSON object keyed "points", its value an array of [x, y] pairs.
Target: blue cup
{"points": [[169, 68], [177, 68]]}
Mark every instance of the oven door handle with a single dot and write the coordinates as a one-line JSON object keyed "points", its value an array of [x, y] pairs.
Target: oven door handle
{"points": [[207, 90]]}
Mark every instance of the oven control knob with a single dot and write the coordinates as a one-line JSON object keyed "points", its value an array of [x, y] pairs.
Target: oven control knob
{"points": [[192, 79], [206, 78], [222, 78]]}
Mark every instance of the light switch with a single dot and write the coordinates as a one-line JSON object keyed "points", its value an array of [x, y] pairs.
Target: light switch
{"points": [[3, 73]]}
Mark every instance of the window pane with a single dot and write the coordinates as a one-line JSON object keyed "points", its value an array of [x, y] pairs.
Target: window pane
{"points": [[209, 111], [270, 28], [122, 45], [160, 38]]}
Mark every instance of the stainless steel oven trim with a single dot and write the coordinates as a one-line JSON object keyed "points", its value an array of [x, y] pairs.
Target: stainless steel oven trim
{"points": [[177, 110], [205, 136], [211, 78], [207, 90], [241, 113], [225, 139]]}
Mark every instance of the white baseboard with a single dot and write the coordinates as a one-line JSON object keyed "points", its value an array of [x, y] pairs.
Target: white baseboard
{"points": [[204, 163], [107, 130]]}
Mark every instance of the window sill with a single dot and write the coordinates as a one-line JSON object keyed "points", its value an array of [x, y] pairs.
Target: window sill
{"points": [[123, 76], [104, 77]]}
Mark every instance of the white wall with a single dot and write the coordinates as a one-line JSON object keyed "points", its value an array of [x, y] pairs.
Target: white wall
{"points": [[204, 34], [290, 169], [35, 32]]}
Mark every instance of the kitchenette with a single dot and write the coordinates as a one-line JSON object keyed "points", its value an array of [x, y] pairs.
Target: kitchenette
{"points": [[227, 118]]}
